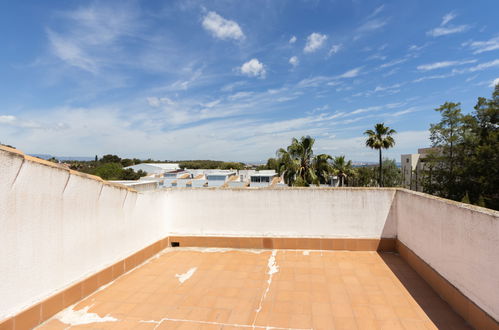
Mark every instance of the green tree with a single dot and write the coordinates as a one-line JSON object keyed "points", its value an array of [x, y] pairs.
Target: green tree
{"points": [[342, 169], [127, 162], [380, 138], [110, 159], [322, 168], [364, 176], [296, 162], [464, 166], [109, 171], [392, 176]]}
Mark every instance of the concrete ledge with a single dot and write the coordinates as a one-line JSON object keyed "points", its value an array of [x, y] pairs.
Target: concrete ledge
{"points": [[473, 314], [42, 311]]}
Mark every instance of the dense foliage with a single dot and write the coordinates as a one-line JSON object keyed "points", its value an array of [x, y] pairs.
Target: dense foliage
{"points": [[300, 167], [368, 176], [464, 165], [109, 167], [211, 164]]}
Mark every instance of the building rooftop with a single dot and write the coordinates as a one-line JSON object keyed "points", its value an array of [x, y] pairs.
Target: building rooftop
{"points": [[81, 252], [279, 289]]}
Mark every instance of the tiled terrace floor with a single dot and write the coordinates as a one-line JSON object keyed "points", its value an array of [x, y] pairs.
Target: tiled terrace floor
{"points": [[229, 289]]}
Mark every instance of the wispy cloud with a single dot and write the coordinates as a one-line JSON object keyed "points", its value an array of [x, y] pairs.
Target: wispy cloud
{"points": [[447, 18], [222, 28], [292, 40], [92, 31], [314, 42], [351, 73], [445, 29], [393, 62], [370, 26], [443, 64], [334, 49], [376, 11], [486, 65], [483, 46]]}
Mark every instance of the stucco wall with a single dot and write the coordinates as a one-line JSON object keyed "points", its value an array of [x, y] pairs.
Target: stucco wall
{"points": [[58, 227], [308, 212], [460, 242]]}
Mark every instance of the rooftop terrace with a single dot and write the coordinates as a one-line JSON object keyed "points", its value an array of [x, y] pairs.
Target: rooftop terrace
{"points": [[280, 289], [81, 252]]}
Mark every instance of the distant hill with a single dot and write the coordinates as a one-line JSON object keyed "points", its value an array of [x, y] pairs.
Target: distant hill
{"points": [[45, 156]]}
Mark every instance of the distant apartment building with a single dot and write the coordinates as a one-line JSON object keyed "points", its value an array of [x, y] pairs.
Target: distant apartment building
{"points": [[413, 167]]}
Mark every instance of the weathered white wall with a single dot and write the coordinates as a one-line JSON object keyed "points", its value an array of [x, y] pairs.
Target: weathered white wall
{"points": [[459, 242], [57, 228], [308, 212]]}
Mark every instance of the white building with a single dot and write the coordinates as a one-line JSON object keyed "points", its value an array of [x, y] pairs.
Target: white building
{"points": [[413, 167], [262, 178], [154, 168], [219, 177]]}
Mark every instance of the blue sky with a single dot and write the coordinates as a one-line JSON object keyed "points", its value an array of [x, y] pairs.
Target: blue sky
{"points": [[236, 80]]}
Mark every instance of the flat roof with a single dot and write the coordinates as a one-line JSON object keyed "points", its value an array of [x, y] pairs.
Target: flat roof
{"points": [[201, 288]]}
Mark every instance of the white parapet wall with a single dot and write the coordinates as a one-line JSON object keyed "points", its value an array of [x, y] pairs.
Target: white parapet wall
{"points": [[460, 242], [306, 212], [58, 227]]}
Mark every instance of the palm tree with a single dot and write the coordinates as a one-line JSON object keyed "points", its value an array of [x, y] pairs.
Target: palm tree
{"points": [[296, 162], [342, 169], [380, 138], [322, 167]]}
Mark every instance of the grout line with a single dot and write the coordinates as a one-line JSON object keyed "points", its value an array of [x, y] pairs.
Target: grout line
{"points": [[158, 323]]}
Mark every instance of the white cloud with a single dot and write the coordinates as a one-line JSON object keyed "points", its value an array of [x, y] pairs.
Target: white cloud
{"points": [[485, 65], [443, 64], [314, 42], [392, 63], [483, 46], [222, 28], [334, 49], [253, 68], [494, 83], [90, 33], [372, 25], [376, 11], [7, 119], [447, 18], [70, 52], [351, 73], [158, 101], [439, 76], [294, 61], [444, 29], [292, 40], [241, 95]]}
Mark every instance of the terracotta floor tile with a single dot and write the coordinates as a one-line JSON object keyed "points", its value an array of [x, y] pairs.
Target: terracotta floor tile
{"points": [[345, 323], [318, 289], [322, 322]]}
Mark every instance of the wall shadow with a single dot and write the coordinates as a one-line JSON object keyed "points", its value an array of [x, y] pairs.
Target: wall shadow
{"points": [[438, 311]]}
